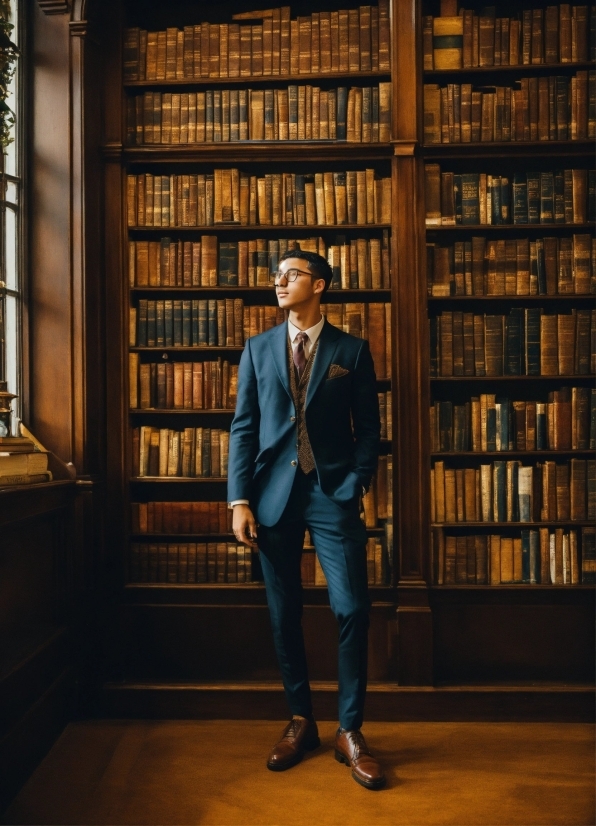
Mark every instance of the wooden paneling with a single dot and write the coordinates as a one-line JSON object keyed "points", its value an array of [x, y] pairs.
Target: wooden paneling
{"points": [[220, 642], [384, 701], [37, 611], [49, 408], [514, 637]]}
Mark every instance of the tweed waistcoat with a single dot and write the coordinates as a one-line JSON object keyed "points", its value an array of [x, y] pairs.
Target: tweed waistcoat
{"points": [[299, 389]]}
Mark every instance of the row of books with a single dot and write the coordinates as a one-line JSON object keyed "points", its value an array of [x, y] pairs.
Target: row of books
{"points": [[557, 34], [190, 562], [181, 517], [208, 517], [320, 43], [200, 385], [490, 422], [182, 385], [297, 113], [357, 263], [535, 557], [566, 196], [386, 413], [222, 322], [540, 109], [507, 491], [378, 500], [229, 196], [225, 562], [229, 322], [377, 562], [526, 342], [191, 453], [513, 266]]}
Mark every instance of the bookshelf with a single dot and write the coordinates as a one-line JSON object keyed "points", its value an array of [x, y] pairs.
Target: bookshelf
{"points": [[512, 449], [217, 175], [381, 254]]}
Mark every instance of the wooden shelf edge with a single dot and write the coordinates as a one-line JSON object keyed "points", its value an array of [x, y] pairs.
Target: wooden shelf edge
{"points": [[511, 453], [291, 228], [372, 687], [386, 291], [523, 67], [509, 298], [506, 227], [579, 377], [512, 586], [192, 411], [176, 479], [222, 81], [584, 523]]}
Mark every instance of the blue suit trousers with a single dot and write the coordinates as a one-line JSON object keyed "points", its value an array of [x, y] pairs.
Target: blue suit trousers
{"points": [[339, 537]]}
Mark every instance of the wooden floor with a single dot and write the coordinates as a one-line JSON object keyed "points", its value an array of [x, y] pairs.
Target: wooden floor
{"points": [[213, 772]]}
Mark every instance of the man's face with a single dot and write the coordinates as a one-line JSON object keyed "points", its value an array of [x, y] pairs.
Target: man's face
{"points": [[292, 295]]}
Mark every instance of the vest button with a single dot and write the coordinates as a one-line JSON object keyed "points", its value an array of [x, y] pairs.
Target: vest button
{"points": [[293, 462], [292, 418]]}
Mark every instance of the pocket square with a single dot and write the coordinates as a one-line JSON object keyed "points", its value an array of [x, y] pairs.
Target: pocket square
{"points": [[336, 370]]}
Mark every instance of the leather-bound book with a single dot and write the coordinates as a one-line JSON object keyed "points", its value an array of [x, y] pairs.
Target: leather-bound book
{"points": [[494, 349], [577, 489], [563, 501], [447, 42], [566, 343], [305, 37], [548, 346], [507, 560]]}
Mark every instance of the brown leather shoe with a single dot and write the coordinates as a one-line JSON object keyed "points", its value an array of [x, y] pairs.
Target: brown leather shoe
{"points": [[351, 749], [299, 735]]}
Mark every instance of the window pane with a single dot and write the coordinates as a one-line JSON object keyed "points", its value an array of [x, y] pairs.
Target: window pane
{"points": [[10, 161], [12, 192], [10, 249], [12, 351]]}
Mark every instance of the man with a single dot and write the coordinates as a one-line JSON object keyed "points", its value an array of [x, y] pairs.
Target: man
{"points": [[303, 448]]}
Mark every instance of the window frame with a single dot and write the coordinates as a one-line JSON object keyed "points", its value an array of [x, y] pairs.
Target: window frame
{"points": [[13, 284]]}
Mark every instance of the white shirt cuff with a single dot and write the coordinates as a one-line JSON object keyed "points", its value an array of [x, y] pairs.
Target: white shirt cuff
{"points": [[238, 502]]}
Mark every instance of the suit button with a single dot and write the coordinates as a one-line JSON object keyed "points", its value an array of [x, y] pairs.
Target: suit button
{"points": [[293, 462], [292, 418]]}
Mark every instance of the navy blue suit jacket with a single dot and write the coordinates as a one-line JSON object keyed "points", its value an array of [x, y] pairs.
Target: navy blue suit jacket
{"points": [[342, 419]]}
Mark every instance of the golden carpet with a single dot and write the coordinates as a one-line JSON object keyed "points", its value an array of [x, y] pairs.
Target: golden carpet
{"points": [[213, 772]]}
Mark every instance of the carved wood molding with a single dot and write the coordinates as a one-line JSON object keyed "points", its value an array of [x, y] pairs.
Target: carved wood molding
{"points": [[86, 29], [78, 28], [54, 6], [404, 148]]}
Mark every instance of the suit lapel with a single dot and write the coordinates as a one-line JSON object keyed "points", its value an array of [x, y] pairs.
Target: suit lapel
{"points": [[327, 346], [279, 353]]}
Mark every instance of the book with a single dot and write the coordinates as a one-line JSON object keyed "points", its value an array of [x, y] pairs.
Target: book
{"points": [[447, 40], [544, 344]]}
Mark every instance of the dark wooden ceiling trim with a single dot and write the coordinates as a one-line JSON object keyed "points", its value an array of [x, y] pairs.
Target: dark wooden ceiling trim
{"points": [[54, 6]]}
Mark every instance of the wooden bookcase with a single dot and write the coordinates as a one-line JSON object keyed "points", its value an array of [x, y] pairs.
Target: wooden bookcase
{"points": [[217, 633], [467, 571]]}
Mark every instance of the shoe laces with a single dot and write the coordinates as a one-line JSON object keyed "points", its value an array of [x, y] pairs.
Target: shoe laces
{"points": [[358, 743], [292, 729]]}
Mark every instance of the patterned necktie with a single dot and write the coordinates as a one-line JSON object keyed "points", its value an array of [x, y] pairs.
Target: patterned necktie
{"points": [[299, 354]]}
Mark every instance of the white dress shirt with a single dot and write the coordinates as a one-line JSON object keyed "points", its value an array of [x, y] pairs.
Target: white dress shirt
{"points": [[313, 334]]}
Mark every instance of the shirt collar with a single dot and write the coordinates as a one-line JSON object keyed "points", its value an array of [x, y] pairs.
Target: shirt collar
{"points": [[313, 332]]}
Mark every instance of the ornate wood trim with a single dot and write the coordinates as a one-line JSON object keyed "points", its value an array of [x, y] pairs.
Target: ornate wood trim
{"points": [[78, 28], [54, 6]]}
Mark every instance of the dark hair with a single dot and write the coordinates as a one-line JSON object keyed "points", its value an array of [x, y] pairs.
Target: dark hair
{"points": [[317, 265]]}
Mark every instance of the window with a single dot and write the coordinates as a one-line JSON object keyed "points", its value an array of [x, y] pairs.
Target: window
{"points": [[10, 230]]}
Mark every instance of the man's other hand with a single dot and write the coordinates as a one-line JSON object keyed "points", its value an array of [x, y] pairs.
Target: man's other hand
{"points": [[244, 525]]}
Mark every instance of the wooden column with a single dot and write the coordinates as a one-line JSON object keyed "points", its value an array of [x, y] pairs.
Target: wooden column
{"points": [[410, 376]]}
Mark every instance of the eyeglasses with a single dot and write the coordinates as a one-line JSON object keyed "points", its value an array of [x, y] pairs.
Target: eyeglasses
{"points": [[289, 275]]}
